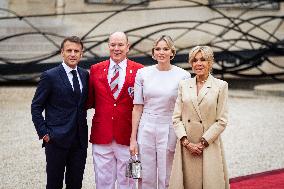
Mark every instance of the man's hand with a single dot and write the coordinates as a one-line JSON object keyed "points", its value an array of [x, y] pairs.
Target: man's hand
{"points": [[46, 138]]}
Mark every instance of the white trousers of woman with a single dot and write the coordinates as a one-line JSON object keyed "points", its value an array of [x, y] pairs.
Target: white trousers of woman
{"points": [[156, 140]]}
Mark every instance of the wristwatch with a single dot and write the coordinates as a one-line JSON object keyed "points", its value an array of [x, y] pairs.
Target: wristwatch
{"points": [[204, 142]]}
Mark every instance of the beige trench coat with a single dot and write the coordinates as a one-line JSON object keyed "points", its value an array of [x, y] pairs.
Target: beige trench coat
{"points": [[199, 116]]}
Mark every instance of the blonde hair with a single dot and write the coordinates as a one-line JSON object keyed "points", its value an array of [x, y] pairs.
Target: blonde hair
{"points": [[169, 42], [206, 52]]}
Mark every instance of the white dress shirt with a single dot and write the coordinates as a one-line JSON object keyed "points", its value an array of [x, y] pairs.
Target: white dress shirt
{"points": [[70, 75], [122, 72]]}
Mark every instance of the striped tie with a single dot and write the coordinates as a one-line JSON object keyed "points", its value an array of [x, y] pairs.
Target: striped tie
{"points": [[114, 82]]}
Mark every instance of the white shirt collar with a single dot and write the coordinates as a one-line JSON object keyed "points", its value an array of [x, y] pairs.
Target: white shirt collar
{"points": [[67, 68], [121, 64]]}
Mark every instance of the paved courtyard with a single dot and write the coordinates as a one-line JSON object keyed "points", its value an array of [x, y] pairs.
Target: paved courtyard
{"points": [[253, 139]]}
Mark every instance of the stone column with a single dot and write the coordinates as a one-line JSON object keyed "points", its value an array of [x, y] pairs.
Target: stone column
{"points": [[4, 5], [60, 5]]}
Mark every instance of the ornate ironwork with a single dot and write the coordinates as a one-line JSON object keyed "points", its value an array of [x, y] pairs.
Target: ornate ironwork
{"points": [[250, 47]]}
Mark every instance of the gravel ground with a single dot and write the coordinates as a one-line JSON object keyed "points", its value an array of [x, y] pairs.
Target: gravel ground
{"points": [[253, 139]]}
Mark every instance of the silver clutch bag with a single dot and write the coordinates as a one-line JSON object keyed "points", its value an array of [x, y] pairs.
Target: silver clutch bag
{"points": [[133, 168]]}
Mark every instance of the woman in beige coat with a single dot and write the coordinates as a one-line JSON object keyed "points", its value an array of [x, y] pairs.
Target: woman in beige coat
{"points": [[200, 116]]}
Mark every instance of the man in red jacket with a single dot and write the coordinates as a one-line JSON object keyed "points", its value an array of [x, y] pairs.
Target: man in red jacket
{"points": [[111, 95]]}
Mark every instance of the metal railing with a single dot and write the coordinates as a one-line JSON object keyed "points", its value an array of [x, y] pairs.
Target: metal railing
{"points": [[238, 49]]}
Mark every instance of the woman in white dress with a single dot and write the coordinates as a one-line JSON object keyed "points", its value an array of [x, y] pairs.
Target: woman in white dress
{"points": [[155, 93]]}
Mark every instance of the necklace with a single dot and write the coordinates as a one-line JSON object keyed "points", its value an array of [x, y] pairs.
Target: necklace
{"points": [[203, 81]]}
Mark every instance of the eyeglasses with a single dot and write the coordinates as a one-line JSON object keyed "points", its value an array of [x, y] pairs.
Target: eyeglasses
{"points": [[196, 60]]}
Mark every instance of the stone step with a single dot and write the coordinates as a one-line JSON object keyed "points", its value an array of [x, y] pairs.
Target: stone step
{"points": [[10, 27], [22, 47], [32, 38], [276, 89], [21, 56]]}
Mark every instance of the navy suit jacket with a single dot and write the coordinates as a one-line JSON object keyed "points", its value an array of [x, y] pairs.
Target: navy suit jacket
{"points": [[65, 116]]}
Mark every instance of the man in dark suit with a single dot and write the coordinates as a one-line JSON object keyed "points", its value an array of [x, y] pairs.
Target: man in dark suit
{"points": [[61, 94], [111, 95]]}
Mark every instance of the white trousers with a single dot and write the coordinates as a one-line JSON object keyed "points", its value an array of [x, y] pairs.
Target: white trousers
{"points": [[110, 164], [156, 139]]}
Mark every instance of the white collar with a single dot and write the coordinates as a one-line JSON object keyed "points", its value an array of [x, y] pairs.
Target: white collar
{"points": [[67, 68], [121, 64]]}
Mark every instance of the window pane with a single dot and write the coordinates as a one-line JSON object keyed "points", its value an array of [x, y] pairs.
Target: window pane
{"points": [[245, 4], [118, 2]]}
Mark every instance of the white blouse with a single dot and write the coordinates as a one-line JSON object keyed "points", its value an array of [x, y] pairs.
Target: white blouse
{"points": [[157, 90]]}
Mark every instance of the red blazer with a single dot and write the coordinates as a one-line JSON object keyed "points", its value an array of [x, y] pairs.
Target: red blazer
{"points": [[112, 118]]}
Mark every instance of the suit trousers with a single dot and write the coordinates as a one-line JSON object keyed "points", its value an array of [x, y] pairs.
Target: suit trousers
{"points": [[58, 159], [110, 166], [156, 140]]}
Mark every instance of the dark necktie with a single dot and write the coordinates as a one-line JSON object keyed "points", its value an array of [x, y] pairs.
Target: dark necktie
{"points": [[76, 85]]}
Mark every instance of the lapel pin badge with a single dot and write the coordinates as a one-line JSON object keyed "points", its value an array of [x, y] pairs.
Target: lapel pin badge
{"points": [[131, 92]]}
